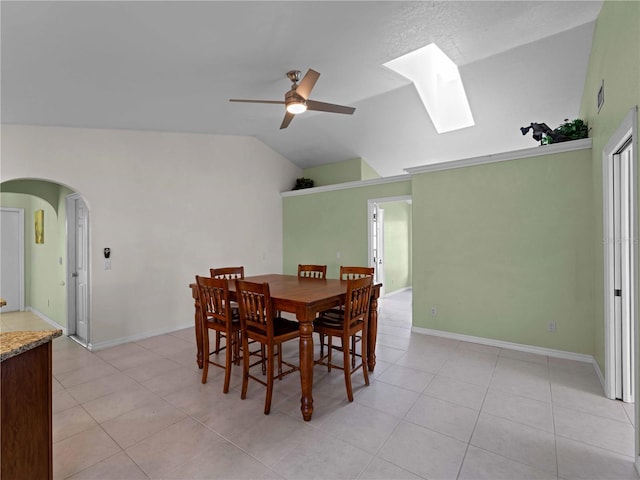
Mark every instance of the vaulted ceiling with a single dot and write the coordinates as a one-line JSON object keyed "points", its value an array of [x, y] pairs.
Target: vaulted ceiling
{"points": [[173, 66]]}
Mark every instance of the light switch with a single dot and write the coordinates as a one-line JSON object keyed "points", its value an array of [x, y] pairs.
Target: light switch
{"points": [[107, 264]]}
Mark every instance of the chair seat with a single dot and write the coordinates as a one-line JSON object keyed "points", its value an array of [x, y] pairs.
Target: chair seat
{"points": [[333, 313], [215, 322], [323, 323], [282, 326]]}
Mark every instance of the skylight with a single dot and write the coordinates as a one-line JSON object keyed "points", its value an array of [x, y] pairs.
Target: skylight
{"points": [[439, 85]]}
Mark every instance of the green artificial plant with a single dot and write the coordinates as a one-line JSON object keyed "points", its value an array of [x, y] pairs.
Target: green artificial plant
{"points": [[569, 130]]}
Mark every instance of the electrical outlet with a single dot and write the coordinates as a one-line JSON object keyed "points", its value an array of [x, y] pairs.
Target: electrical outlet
{"points": [[551, 327], [434, 311]]}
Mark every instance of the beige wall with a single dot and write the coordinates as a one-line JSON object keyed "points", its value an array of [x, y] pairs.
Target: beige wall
{"points": [[168, 205]]}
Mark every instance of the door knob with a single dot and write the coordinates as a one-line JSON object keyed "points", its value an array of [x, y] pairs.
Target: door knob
{"points": [[74, 274]]}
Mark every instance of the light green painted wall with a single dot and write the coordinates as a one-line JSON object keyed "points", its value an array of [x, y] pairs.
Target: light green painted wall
{"points": [[368, 173], [44, 271], [352, 170], [332, 173], [397, 245], [45, 190], [318, 225], [615, 58], [502, 249]]}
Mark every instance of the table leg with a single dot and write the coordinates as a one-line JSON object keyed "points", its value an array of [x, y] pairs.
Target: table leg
{"points": [[306, 362], [373, 333]]}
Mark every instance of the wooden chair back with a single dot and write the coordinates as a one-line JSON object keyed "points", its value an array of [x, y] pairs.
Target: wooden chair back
{"points": [[230, 273], [214, 301], [312, 271], [256, 310], [358, 299], [350, 273]]}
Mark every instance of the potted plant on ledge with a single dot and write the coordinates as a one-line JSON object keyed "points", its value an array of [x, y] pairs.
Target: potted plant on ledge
{"points": [[303, 183], [569, 130]]}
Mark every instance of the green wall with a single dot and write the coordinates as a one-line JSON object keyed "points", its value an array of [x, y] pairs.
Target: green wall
{"points": [[367, 173], [502, 249], [615, 58], [397, 245], [316, 226], [45, 264], [352, 170]]}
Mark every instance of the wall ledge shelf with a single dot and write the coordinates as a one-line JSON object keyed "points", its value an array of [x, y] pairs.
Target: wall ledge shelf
{"points": [[584, 144]]}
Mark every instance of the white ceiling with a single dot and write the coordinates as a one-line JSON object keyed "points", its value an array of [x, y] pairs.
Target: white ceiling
{"points": [[172, 66]]}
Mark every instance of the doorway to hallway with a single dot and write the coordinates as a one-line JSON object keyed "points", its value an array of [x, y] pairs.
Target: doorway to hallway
{"points": [[389, 233]]}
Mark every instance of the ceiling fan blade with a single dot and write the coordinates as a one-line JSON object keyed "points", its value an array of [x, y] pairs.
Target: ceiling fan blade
{"points": [[329, 107], [287, 120], [307, 83], [279, 102]]}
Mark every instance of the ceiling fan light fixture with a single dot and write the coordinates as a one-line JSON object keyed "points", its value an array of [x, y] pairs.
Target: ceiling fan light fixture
{"points": [[296, 106]]}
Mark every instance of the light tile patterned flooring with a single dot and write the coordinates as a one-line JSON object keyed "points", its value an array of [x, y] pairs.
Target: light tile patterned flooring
{"points": [[436, 409]]}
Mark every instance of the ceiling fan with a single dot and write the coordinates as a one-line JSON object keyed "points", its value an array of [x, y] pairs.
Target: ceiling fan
{"points": [[297, 99]]}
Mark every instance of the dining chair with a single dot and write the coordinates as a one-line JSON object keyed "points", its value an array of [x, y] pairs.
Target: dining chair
{"points": [[233, 274], [258, 322], [351, 272], [346, 273], [230, 273], [312, 271], [216, 314], [353, 321]]}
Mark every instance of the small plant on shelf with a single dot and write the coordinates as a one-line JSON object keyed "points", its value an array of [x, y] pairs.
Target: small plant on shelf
{"points": [[303, 183], [569, 130]]}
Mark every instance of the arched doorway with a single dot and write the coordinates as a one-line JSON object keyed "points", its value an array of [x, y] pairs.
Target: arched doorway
{"points": [[56, 287]]}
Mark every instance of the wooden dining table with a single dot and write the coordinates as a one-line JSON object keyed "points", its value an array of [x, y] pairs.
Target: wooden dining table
{"points": [[304, 297]]}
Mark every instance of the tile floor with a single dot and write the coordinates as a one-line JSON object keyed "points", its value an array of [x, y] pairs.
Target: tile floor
{"points": [[435, 409]]}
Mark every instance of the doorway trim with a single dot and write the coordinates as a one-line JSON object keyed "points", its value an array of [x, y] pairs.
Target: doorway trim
{"points": [[625, 132]]}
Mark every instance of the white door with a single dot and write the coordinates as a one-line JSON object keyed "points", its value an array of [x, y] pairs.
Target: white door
{"points": [[12, 258], [78, 273], [379, 264], [622, 272]]}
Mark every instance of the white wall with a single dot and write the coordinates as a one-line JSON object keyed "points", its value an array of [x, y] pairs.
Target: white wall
{"points": [[168, 205]]}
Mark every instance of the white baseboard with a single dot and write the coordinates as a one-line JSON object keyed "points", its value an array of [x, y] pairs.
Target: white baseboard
{"points": [[405, 289], [579, 357], [600, 377], [134, 338], [51, 322]]}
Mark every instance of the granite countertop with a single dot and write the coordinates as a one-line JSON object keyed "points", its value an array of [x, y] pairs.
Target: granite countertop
{"points": [[15, 343]]}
